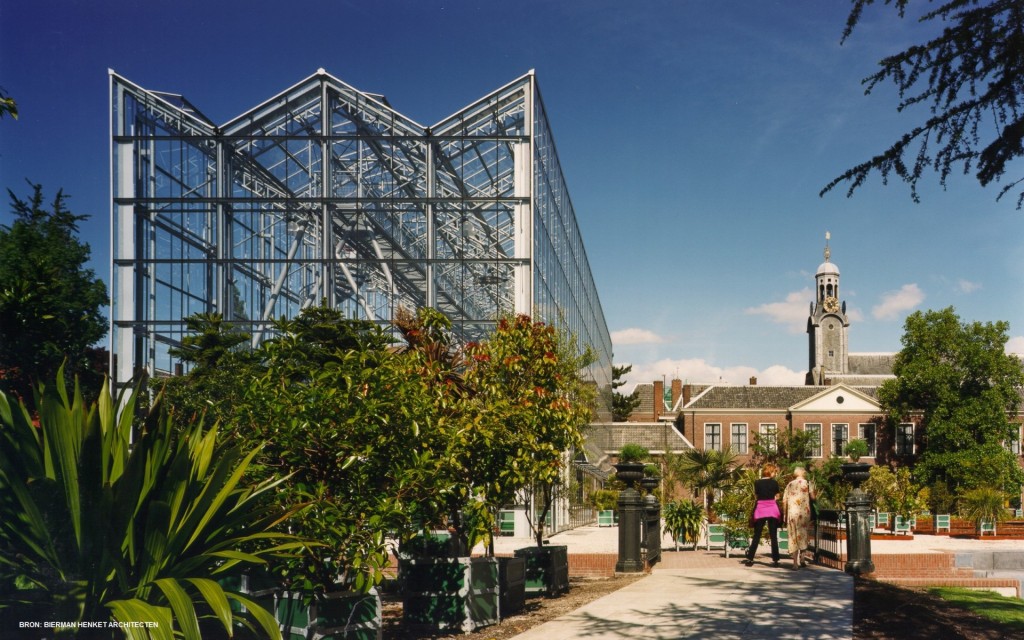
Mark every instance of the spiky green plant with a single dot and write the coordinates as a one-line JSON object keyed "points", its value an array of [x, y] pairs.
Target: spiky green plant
{"points": [[983, 504], [683, 520], [96, 527]]}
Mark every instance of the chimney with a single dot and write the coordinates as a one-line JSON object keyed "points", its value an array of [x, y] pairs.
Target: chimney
{"points": [[687, 394], [659, 398], [677, 390], [753, 381]]}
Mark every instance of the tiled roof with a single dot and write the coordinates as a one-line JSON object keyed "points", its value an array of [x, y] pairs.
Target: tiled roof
{"points": [[763, 397], [646, 395], [660, 436], [751, 397]]}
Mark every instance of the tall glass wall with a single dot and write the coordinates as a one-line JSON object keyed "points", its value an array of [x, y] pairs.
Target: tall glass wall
{"points": [[324, 193]]}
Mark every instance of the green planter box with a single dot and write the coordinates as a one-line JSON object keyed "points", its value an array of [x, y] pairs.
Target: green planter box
{"points": [[258, 586], [332, 616], [547, 569], [512, 589], [449, 594]]}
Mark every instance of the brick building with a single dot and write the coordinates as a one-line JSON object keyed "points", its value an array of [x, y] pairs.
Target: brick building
{"points": [[838, 401]]}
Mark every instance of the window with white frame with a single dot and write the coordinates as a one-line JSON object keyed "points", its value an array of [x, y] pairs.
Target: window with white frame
{"points": [[768, 436], [1013, 444], [840, 436], [866, 432], [738, 434], [904, 439], [815, 440], [712, 436]]}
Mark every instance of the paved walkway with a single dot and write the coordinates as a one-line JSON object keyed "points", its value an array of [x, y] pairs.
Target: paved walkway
{"points": [[700, 594], [720, 603]]}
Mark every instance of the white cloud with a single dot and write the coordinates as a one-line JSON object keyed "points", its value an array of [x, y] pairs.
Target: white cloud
{"points": [[966, 286], [895, 303], [635, 336], [698, 371], [791, 312], [1015, 345]]}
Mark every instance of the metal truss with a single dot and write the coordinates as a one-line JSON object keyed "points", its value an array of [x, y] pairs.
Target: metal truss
{"points": [[324, 193]]}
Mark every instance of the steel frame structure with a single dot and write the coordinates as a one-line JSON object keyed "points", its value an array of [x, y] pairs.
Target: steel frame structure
{"points": [[325, 193]]}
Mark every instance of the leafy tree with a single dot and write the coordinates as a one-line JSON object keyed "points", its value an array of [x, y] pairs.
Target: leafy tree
{"points": [[959, 379], [786, 448], [465, 452], [895, 492], [220, 365], [531, 405], [971, 77], [50, 304], [341, 411], [622, 405], [829, 485], [209, 343]]}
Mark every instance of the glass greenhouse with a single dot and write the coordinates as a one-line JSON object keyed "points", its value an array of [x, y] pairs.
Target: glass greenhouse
{"points": [[326, 194]]}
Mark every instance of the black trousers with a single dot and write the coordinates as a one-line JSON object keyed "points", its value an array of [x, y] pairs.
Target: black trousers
{"points": [[773, 534]]}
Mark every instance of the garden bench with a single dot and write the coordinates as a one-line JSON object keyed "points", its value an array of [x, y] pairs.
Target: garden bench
{"points": [[716, 536]]}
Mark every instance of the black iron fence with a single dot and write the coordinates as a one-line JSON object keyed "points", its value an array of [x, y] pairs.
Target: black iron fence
{"points": [[830, 538]]}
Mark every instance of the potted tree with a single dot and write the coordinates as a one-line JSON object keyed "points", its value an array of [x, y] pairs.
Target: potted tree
{"points": [[683, 520], [334, 407], [856, 449], [630, 467], [526, 380], [444, 587], [651, 478], [856, 471], [984, 505], [604, 501]]}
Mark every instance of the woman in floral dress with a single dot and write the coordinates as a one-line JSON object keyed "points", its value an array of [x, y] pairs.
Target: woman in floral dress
{"points": [[796, 505]]}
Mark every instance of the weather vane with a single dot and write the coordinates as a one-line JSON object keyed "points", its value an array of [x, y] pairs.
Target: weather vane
{"points": [[828, 253]]}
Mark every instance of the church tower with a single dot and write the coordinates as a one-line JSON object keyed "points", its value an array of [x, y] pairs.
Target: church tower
{"points": [[827, 326]]}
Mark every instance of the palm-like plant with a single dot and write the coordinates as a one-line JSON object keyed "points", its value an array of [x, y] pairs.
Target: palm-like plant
{"points": [[705, 471], [683, 520], [983, 504], [97, 528]]}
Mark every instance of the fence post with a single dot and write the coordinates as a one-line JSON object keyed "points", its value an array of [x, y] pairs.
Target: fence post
{"points": [[631, 509], [652, 528], [858, 512]]}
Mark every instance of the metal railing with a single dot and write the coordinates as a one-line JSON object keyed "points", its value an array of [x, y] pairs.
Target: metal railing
{"points": [[830, 538]]}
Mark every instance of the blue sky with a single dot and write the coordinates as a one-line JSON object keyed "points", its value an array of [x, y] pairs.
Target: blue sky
{"points": [[695, 136]]}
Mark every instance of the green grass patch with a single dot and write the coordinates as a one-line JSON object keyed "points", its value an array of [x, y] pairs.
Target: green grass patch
{"points": [[989, 604]]}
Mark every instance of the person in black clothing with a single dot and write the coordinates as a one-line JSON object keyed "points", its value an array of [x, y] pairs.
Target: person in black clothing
{"points": [[766, 511]]}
